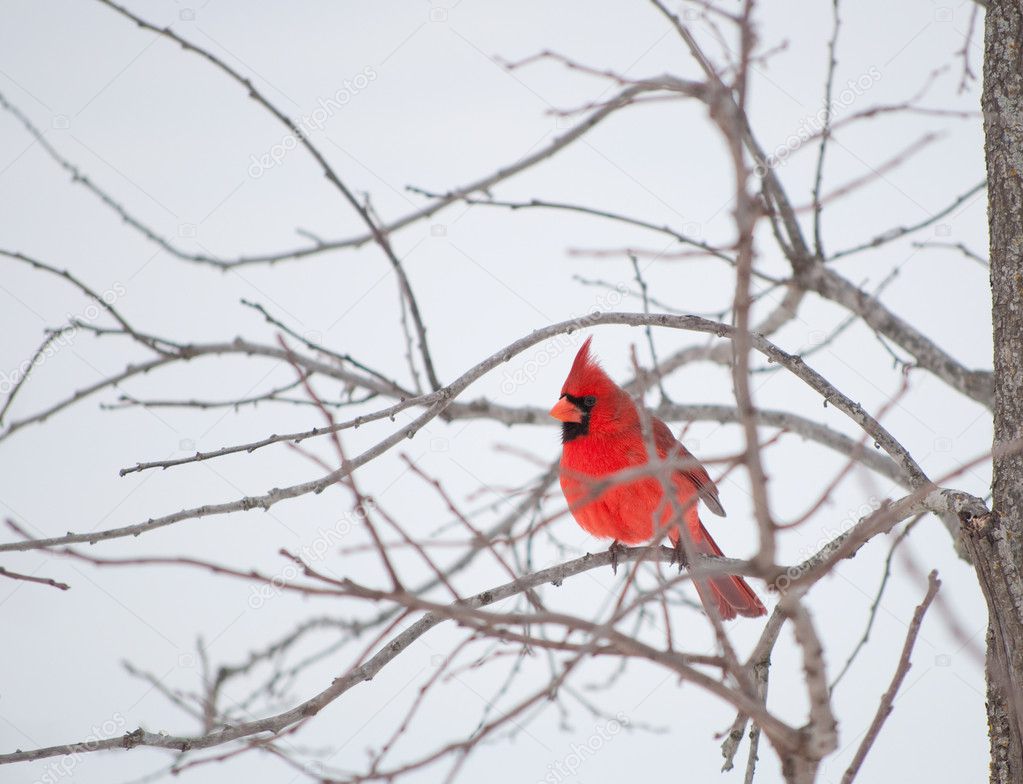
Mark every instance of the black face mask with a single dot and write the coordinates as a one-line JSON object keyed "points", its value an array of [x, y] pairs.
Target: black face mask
{"points": [[572, 430]]}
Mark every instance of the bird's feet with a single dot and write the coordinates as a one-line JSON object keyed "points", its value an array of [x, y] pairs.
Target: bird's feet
{"points": [[616, 549], [678, 555]]}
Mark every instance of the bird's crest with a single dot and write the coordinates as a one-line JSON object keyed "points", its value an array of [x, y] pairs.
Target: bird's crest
{"points": [[586, 377]]}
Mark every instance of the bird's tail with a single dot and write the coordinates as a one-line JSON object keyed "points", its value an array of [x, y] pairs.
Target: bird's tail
{"points": [[731, 594]]}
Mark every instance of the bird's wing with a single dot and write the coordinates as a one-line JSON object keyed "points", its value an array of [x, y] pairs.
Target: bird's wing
{"points": [[667, 445]]}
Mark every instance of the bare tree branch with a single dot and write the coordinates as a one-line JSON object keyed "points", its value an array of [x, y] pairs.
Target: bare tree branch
{"points": [[888, 698]]}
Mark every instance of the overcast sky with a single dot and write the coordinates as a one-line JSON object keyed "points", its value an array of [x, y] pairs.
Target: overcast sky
{"points": [[413, 93]]}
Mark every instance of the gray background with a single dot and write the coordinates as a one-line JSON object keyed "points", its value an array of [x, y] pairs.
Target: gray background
{"points": [[173, 139]]}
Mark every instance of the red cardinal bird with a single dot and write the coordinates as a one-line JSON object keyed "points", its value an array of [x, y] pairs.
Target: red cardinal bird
{"points": [[602, 435]]}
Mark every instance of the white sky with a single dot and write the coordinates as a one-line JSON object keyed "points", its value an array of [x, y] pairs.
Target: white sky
{"points": [[174, 140]]}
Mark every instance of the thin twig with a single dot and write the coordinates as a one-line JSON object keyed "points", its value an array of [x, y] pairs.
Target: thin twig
{"points": [[888, 698]]}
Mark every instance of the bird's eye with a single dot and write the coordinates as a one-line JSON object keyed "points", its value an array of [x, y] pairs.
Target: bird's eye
{"points": [[590, 401]]}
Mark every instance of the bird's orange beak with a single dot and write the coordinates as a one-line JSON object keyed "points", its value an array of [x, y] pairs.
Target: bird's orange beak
{"points": [[566, 411]]}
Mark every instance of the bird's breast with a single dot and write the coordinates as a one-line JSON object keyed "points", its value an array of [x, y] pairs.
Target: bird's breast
{"points": [[622, 511]]}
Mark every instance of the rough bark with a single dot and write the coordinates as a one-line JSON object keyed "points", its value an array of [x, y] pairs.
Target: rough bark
{"points": [[995, 540]]}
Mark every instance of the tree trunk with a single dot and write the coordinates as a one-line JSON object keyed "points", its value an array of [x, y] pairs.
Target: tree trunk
{"points": [[995, 541]]}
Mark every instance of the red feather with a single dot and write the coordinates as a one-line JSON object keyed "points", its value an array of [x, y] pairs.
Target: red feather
{"points": [[603, 435]]}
